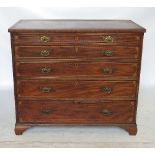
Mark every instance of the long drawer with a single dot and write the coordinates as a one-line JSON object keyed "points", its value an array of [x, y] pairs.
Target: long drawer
{"points": [[111, 70], [102, 38], [61, 112], [100, 52], [76, 89]]}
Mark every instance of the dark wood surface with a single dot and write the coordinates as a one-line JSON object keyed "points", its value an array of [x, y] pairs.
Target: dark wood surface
{"points": [[76, 26], [74, 69], [61, 112], [77, 39], [76, 89], [72, 52], [76, 72]]}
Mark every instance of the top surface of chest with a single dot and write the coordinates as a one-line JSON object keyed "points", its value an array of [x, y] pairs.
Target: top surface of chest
{"points": [[76, 26]]}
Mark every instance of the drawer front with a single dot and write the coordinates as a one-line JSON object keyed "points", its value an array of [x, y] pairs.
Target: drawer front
{"points": [[110, 38], [45, 52], [103, 38], [79, 68], [76, 52], [107, 51], [76, 89], [42, 39], [59, 112]]}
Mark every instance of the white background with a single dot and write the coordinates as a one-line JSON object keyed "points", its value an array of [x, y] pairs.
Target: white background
{"points": [[97, 137]]}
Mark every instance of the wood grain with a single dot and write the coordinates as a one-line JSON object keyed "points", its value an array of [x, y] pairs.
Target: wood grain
{"points": [[76, 89], [77, 69], [58, 112], [85, 51], [69, 38]]}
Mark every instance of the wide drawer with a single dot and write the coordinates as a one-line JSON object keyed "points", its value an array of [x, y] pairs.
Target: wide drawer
{"points": [[78, 68], [102, 38], [100, 52], [70, 112], [76, 89]]}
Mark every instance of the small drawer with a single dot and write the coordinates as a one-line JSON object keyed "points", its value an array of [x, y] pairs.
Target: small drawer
{"points": [[44, 52], [81, 112], [42, 39], [76, 89], [79, 68], [111, 38], [106, 52]]}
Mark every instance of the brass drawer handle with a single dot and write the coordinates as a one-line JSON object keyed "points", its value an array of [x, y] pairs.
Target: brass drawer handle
{"points": [[46, 111], [44, 53], [107, 39], [107, 70], [107, 53], [44, 39], [46, 89], [106, 90], [45, 70], [106, 112]]}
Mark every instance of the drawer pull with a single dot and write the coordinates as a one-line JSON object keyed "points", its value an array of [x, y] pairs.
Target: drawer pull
{"points": [[107, 53], [45, 89], [106, 90], [44, 53], [107, 70], [46, 111], [106, 112], [107, 39], [45, 70], [44, 39]]}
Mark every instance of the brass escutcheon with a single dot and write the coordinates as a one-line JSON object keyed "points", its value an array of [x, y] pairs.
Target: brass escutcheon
{"points": [[45, 70], [107, 53], [106, 112], [107, 39], [44, 53], [107, 70], [106, 90], [45, 89], [44, 39]]}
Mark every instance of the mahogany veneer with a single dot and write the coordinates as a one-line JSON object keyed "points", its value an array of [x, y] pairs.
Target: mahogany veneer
{"points": [[76, 72]]}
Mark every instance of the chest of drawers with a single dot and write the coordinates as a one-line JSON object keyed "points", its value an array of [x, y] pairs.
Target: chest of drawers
{"points": [[76, 72]]}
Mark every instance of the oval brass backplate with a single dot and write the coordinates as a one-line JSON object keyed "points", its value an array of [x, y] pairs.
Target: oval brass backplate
{"points": [[44, 39]]}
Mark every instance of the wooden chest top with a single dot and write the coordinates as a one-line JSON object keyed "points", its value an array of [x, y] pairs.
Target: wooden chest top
{"points": [[76, 26]]}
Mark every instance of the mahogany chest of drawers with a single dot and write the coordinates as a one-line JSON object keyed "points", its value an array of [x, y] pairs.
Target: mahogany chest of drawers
{"points": [[76, 72]]}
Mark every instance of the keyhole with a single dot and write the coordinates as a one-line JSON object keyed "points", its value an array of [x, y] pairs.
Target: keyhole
{"points": [[76, 65]]}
